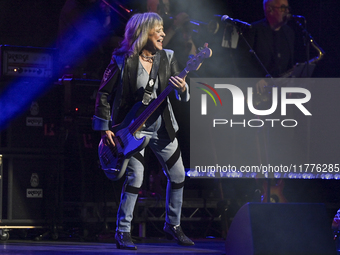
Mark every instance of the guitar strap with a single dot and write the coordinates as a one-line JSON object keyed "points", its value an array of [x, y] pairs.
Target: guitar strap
{"points": [[148, 92], [152, 79]]}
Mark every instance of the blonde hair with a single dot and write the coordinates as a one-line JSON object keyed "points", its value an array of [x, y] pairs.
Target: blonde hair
{"points": [[136, 33]]}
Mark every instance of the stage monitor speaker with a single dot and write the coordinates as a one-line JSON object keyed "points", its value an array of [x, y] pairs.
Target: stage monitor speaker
{"points": [[280, 228]]}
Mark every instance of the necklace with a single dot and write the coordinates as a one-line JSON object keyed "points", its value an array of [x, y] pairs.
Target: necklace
{"points": [[148, 58]]}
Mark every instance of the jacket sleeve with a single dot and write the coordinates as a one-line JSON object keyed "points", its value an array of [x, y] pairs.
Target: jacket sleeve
{"points": [[105, 95]]}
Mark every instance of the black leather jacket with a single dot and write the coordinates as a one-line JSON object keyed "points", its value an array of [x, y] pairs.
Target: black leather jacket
{"points": [[121, 96]]}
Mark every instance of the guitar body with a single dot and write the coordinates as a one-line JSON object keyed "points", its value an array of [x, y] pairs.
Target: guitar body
{"points": [[276, 191], [114, 159]]}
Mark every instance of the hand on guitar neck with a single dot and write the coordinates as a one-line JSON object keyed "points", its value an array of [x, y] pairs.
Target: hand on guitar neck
{"points": [[178, 83]]}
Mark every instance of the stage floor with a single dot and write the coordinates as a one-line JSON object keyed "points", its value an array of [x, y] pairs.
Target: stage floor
{"points": [[147, 246]]}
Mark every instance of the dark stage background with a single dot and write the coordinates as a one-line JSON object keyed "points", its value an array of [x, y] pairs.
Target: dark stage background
{"points": [[35, 23]]}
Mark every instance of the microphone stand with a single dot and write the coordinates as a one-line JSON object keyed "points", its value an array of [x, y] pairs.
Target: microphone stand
{"points": [[268, 75], [306, 36], [308, 40], [251, 50]]}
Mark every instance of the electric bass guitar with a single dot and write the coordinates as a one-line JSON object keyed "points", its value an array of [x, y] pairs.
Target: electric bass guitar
{"points": [[114, 159]]}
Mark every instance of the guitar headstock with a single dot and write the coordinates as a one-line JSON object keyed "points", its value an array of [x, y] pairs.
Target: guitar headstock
{"points": [[196, 61]]}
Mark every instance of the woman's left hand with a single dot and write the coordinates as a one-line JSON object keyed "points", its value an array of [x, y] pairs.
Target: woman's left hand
{"points": [[178, 83]]}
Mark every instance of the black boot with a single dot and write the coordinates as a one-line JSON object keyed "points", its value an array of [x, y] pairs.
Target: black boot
{"points": [[176, 232], [124, 241]]}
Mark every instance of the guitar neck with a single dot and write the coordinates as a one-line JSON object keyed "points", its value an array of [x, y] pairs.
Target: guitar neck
{"points": [[141, 119]]}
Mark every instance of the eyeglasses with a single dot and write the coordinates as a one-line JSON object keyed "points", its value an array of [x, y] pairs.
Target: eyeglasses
{"points": [[283, 8]]}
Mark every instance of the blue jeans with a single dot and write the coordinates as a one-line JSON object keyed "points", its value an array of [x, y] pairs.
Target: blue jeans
{"points": [[168, 154]]}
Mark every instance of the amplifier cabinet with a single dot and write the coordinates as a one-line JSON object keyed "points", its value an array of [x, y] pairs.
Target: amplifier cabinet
{"points": [[80, 96], [1, 177], [31, 190], [38, 127], [26, 61]]}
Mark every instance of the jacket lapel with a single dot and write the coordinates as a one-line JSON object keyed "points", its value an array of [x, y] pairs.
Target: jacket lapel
{"points": [[132, 64], [162, 71]]}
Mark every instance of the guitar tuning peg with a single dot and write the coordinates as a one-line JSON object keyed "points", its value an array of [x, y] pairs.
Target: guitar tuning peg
{"points": [[204, 46], [190, 56]]}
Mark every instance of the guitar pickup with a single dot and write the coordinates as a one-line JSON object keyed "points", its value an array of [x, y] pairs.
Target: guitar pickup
{"points": [[119, 141], [113, 150]]}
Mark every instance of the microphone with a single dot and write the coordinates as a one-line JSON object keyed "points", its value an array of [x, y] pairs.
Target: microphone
{"points": [[295, 17], [236, 22]]}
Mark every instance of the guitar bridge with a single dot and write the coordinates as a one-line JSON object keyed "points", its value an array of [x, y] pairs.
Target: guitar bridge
{"points": [[120, 141]]}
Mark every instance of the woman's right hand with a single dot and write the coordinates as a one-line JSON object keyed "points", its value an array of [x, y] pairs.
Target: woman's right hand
{"points": [[107, 137]]}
